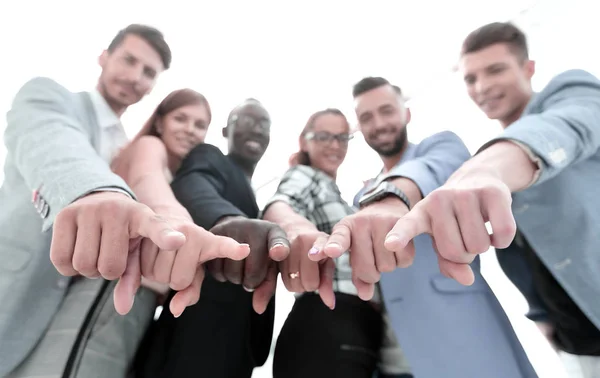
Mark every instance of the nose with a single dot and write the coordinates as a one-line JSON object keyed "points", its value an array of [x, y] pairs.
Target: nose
{"points": [[190, 127], [135, 73], [379, 122], [482, 86], [335, 143]]}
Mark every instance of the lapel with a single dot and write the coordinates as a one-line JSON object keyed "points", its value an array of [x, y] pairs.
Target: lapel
{"points": [[91, 119]]}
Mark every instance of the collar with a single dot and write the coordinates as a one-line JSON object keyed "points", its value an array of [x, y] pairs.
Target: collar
{"points": [[104, 114]]}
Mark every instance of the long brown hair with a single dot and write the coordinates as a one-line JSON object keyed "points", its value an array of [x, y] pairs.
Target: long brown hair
{"points": [[301, 157], [174, 100]]}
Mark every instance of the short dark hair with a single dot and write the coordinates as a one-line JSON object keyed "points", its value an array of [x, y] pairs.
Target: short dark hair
{"points": [[497, 32], [149, 34], [369, 83]]}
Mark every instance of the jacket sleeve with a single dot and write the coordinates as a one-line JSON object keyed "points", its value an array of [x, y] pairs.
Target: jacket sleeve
{"points": [[437, 157], [566, 130], [51, 148]]}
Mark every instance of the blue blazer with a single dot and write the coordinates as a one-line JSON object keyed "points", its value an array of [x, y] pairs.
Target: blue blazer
{"points": [[560, 214], [447, 329]]}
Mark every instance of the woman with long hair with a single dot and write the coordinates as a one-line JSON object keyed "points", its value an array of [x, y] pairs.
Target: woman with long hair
{"points": [[149, 162]]}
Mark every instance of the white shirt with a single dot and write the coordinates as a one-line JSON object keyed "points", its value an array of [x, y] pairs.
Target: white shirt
{"points": [[112, 133]]}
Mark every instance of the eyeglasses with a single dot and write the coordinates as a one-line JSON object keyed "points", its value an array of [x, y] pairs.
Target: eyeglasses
{"points": [[324, 137], [247, 122]]}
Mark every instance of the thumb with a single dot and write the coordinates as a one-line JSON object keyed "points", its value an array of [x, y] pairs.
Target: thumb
{"points": [[279, 246], [129, 283], [145, 222]]}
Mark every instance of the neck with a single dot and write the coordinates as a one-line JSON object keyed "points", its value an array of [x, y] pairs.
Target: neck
{"points": [[246, 165], [119, 109]]}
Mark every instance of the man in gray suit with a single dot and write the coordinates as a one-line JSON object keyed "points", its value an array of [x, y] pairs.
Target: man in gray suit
{"points": [[65, 214], [444, 329], [545, 167]]}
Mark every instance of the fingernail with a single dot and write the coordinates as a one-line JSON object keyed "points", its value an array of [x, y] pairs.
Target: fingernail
{"points": [[314, 251], [333, 245], [173, 233], [248, 289], [276, 245], [132, 302], [392, 238]]}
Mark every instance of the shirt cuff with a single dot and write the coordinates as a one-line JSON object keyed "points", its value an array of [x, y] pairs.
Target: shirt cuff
{"points": [[534, 159], [112, 189]]}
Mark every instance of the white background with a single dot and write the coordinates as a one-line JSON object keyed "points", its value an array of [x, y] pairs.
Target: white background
{"points": [[297, 58]]}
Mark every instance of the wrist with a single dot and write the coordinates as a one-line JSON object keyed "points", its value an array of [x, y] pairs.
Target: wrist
{"points": [[227, 218], [388, 204]]}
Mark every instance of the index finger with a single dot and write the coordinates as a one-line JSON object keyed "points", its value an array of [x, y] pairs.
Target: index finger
{"points": [[339, 241], [145, 222], [499, 212], [413, 224], [277, 241]]}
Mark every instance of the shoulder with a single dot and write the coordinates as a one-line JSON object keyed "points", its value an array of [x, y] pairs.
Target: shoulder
{"points": [[299, 178], [146, 151], [43, 87], [147, 146], [205, 157], [573, 77], [569, 85], [443, 139], [300, 172]]}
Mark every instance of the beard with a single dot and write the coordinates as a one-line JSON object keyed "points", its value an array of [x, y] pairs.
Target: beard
{"points": [[395, 148]]}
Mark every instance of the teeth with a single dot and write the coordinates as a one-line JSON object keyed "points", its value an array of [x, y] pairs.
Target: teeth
{"points": [[253, 144]]}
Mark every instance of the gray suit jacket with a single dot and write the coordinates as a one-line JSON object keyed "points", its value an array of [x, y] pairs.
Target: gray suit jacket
{"points": [[447, 329], [51, 140], [560, 214]]}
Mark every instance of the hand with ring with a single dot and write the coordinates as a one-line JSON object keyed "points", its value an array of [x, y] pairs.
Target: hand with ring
{"points": [[299, 273]]}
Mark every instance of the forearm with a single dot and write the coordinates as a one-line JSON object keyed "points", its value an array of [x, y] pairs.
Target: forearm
{"points": [[154, 191], [508, 160], [282, 214]]}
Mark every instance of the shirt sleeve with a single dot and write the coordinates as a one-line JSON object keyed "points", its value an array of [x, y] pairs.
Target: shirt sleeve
{"points": [[297, 189], [199, 185]]}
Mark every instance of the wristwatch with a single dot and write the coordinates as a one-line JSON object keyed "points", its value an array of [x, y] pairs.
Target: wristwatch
{"points": [[383, 190]]}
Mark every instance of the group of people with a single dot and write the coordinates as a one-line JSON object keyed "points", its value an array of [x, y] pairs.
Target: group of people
{"points": [[97, 231]]}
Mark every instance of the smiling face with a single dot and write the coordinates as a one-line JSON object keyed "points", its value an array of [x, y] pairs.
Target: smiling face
{"points": [[383, 117], [326, 142], [248, 132], [498, 81], [184, 128], [129, 72]]}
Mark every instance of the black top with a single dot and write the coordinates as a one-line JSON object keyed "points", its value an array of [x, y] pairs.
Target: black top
{"points": [[221, 336], [573, 332]]}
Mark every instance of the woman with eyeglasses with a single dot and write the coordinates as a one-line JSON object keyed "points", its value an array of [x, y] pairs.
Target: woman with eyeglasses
{"points": [[344, 340]]}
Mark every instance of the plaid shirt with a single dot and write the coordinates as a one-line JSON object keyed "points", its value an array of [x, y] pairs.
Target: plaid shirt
{"points": [[315, 196]]}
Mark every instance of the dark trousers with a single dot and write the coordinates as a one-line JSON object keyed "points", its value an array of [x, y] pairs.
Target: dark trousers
{"points": [[219, 337], [317, 342]]}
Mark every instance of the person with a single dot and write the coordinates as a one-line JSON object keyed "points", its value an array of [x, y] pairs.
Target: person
{"points": [[345, 338], [149, 162], [229, 331], [544, 167], [60, 196], [444, 328]]}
